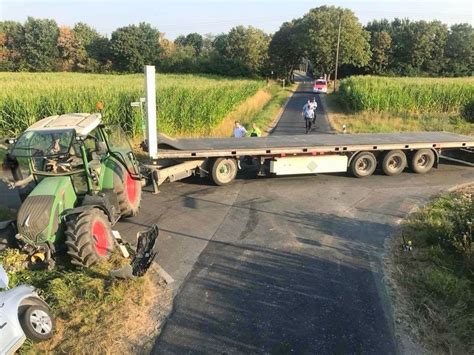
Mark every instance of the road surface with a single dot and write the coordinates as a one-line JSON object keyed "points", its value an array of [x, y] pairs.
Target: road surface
{"points": [[283, 265]]}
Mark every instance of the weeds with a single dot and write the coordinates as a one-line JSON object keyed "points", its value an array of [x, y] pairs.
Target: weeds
{"points": [[436, 279], [94, 313]]}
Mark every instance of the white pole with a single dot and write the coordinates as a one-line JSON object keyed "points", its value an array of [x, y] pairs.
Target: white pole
{"points": [[151, 111]]}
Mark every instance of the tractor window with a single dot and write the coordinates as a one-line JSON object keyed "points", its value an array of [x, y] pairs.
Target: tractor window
{"points": [[118, 144], [43, 143]]}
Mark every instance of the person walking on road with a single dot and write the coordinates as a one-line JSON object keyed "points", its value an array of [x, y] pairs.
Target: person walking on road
{"points": [[308, 115], [239, 130], [314, 106]]}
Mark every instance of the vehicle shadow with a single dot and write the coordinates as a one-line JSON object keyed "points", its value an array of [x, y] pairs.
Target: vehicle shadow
{"points": [[248, 298]]}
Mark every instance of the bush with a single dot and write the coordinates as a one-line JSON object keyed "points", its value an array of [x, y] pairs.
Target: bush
{"points": [[449, 223], [467, 111]]}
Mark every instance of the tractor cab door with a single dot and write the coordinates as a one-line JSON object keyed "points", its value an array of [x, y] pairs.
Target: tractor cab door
{"points": [[119, 147]]}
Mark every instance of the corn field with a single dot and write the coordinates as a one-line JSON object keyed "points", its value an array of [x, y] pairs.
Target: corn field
{"points": [[185, 103], [408, 95]]}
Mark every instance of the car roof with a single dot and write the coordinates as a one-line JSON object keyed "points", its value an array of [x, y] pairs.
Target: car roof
{"points": [[82, 123]]}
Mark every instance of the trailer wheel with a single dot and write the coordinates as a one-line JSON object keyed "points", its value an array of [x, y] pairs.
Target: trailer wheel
{"points": [[422, 161], [89, 238], [224, 171], [394, 162], [363, 164]]}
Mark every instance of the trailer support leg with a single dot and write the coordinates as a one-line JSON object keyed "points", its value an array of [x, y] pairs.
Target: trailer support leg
{"points": [[154, 180]]}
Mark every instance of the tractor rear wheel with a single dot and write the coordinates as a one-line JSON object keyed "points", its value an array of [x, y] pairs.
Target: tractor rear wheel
{"points": [[89, 237], [129, 193]]}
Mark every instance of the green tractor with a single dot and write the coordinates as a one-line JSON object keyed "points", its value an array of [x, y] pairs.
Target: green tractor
{"points": [[82, 178]]}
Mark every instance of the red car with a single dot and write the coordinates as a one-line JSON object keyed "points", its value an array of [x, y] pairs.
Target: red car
{"points": [[320, 86]]}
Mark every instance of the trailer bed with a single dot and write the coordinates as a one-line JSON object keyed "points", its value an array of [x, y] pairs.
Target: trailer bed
{"points": [[169, 148]]}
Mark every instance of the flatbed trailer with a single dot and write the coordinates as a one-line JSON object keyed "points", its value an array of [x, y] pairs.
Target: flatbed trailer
{"points": [[360, 154]]}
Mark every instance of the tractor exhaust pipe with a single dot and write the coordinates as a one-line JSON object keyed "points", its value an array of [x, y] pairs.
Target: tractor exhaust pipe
{"points": [[150, 91]]}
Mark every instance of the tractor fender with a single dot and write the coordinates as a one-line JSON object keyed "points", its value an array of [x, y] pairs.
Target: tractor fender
{"points": [[99, 202]]}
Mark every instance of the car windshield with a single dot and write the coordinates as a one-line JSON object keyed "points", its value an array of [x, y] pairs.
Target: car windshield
{"points": [[43, 143], [320, 82]]}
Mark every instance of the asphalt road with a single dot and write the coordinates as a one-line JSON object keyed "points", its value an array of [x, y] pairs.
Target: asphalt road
{"points": [[282, 265]]}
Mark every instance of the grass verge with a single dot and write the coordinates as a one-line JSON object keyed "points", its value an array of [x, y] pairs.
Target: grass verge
{"points": [[433, 285], [92, 311], [386, 122], [262, 109]]}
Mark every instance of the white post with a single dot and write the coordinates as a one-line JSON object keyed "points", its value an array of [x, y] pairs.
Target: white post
{"points": [[150, 89]]}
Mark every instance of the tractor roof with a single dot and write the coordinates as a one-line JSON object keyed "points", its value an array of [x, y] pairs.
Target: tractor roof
{"points": [[83, 123]]}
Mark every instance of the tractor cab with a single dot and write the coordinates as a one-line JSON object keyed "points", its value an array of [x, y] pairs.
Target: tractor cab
{"points": [[76, 168], [73, 145]]}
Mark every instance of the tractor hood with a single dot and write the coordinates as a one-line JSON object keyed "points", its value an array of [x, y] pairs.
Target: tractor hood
{"points": [[39, 215]]}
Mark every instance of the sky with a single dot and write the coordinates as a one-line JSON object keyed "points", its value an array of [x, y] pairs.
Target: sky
{"points": [[175, 17]]}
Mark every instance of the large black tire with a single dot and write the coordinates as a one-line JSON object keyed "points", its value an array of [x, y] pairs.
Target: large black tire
{"points": [[394, 162], [37, 323], [89, 238], [363, 164], [422, 161], [128, 191], [224, 171]]}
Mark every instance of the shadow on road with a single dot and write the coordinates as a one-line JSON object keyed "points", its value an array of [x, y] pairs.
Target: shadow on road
{"points": [[249, 298]]}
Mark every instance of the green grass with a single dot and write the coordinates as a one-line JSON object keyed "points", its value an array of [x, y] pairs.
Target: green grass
{"points": [[89, 307], [265, 117], [186, 103], [406, 95], [370, 121], [437, 277]]}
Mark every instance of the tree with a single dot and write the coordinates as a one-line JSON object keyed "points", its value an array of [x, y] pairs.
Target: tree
{"points": [[285, 50], [318, 35], [459, 51], [13, 43], [69, 49], [248, 45], [220, 44], [418, 47], [134, 46], [194, 40], [94, 49], [180, 40], [40, 47], [176, 57], [380, 45]]}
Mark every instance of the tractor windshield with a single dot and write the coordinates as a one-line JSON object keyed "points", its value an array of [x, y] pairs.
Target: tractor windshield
{"points": [[43, 144]]}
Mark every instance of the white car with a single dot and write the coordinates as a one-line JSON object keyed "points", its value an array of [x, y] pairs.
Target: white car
{"points": [[320, 86], [23, 314]]}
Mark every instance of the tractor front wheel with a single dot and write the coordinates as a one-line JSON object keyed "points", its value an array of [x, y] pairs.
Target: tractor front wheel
{"points": [[89, 238]]}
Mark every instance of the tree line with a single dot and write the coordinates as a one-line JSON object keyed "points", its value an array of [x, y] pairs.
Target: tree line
{"points": [[398, 47]]}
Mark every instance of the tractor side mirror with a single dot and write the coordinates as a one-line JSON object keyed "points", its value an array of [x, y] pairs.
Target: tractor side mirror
{"points": [[3, 278]]}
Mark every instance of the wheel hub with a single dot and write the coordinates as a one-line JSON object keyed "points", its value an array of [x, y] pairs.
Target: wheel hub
{"points": [[224, 170], [99, 234], [41, 322], [363, 164], [394, 163]]}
